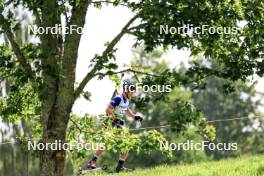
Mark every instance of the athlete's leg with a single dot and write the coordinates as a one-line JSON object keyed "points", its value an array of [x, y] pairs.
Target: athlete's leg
{"points": [[123, 156], [121, 162], [99, 152], [92, 162]]}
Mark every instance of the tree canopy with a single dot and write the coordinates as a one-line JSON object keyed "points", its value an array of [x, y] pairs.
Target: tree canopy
{"points": [[42, 72]]}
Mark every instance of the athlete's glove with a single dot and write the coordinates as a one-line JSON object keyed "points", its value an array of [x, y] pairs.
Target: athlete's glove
{"points": [[117, 122], [138, 118]]}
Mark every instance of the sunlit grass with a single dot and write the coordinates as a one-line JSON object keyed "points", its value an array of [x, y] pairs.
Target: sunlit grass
{"points": [[245, 166]]}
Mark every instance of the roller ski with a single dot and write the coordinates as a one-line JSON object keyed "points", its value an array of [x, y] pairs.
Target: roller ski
{"points": [[98, 169], [91, 168], [120, 167], [124, 169]]}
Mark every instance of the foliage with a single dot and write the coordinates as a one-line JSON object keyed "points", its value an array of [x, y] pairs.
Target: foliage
{"points": [[92, 130], [214, 102], [172, 108], [238, 52], [51, 82]]}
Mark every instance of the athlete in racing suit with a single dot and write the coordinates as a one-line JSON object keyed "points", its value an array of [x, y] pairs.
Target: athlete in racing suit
{"points": [[118, 107]]}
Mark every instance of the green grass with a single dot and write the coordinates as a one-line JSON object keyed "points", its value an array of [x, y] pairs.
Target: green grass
{"points": [[245, 166]]}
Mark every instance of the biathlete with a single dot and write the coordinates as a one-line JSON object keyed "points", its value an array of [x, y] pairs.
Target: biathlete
{"points": [[116, 110]]}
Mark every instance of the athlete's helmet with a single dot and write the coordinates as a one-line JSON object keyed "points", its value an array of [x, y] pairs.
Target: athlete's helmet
{"points": [[129, 86]]}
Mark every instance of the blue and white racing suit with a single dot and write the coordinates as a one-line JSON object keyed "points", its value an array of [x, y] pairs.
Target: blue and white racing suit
{"points": [[120, 105]]}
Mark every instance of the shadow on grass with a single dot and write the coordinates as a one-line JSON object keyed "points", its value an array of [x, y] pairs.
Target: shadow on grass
{"points": [[260, 171]]}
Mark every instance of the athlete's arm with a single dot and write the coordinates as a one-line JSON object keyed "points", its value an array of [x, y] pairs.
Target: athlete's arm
{"points": [[111, 107], [129, 113], [110, 112]]}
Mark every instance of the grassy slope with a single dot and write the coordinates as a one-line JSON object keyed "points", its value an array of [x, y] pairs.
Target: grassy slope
{"points": [[245, 166]]}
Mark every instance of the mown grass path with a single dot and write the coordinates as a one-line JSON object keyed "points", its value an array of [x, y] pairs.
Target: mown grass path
{"points": [[244, 166]]}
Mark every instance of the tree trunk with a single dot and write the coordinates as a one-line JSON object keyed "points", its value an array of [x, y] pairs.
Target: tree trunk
{"points": [[59, 87], [52, 161]]}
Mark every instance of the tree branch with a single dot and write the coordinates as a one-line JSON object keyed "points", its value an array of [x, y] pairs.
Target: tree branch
{"points": [[137, 27], [72, 41], [127, 70], [108, 2], [48, 15], [19, 54], [65, 92], [98, 65]]}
